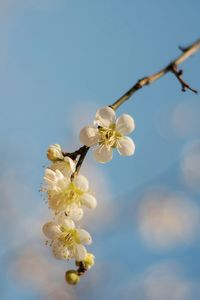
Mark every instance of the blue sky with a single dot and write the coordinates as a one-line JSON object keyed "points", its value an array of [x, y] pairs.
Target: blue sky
{"points": [[62, 60]]}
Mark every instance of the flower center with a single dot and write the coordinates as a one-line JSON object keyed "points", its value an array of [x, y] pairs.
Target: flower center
{"points": [[71, 194], [59, 201], [69, 237], [109, 136]]}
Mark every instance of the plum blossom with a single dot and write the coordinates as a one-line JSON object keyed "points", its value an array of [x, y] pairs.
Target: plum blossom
{"points": [[66, 195], [66, 240], [108, 133], [54, 152]]}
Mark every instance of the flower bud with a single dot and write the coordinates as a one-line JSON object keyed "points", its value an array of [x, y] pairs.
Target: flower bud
{"points": [[54, 153], [72, 277], [88, 262]]}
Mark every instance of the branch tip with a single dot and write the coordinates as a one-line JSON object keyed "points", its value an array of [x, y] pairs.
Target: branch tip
{"points": [[179, 73], [183, 49]]}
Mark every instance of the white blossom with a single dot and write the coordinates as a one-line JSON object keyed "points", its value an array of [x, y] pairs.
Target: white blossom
{"points": [[54, 152], [108, 133], [66, 240], [66, 195]]}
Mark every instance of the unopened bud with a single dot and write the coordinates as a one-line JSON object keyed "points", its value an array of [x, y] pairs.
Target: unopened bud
{"points": [[89, 260], [72, 277], [54, 152]]}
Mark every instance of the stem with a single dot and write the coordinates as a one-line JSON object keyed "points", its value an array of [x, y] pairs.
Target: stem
{"points": [[80, 161], [81, 152]]}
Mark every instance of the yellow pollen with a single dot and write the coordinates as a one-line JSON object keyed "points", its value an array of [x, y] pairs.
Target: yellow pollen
{"points": [[70, 195], [109, 136], [69, 237]]}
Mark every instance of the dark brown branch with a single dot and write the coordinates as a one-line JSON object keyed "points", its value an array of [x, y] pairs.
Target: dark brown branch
{"points": [[75, 154], [81, 269], [179, 74], [81, 152], [183, 49]]}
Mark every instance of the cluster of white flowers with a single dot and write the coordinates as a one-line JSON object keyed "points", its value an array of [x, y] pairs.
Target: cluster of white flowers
{"points": [[68, 192], [108, 133]]}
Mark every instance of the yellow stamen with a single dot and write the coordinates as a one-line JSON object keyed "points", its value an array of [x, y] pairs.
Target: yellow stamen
{"points": [[109, 136], [70, 195]]}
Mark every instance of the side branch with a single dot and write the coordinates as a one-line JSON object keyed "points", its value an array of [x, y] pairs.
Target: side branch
{"points": [[172, 67], [84, 152], [179, 74]]}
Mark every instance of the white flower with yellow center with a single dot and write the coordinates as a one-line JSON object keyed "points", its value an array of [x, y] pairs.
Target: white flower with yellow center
{"points": [[66, 240], [108, 133], [66, 195], [54, 152]]}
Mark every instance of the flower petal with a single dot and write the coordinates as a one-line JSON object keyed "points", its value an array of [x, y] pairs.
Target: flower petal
{"points": [[88, 200], [73, 211], [70, 164], [105, 116], [59, 250], [51, 230], [63, 184], [80, 252], [51, 185], [54, 152], [49, 175], [59, 175], [103, 154], [126, 146], [67, 223], [84, 236], [66, 166], [125, 124], [89, 136], [81, 183]]}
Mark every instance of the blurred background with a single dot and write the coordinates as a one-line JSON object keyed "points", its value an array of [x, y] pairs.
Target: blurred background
{"points": [[59, 62]]}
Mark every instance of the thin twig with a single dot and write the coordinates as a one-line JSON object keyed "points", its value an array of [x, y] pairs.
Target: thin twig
{"points": [[81, 152], [75, 154], [80, 161], [179, 74], [187, 52]]}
